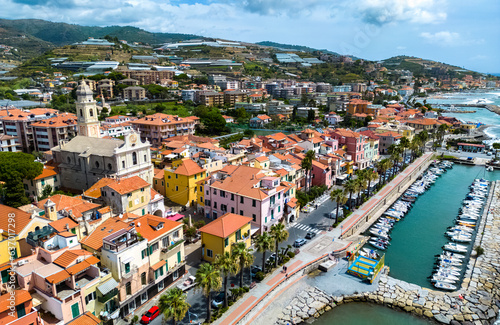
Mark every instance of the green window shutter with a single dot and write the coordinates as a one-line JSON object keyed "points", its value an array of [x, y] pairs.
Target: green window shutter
{"points": [[143, 253], [73, 231], [5, 276], [226, 242], [21, 311], [156, 274], [161, 270], [179, 257], [150, 250]]}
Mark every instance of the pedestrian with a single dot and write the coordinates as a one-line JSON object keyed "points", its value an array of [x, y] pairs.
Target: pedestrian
{"points": [[286, 276], [286, 268]]}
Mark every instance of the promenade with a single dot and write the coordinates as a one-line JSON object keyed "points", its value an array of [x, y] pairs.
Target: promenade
{"points": [[276, 286]]}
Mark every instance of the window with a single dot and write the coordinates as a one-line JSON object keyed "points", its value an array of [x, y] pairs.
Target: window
{"points": [[144, 297], [279, 195], [145, 158], [142, 199], [128, 288], [254, 203], [215, 192], [161, 285], [69, 162], [143, 211], [144, 253], [176, 176], [81, 112], [201, 188], [110, 167], [21, 311], [210, 253], [265, 220], [222, 194], [176, 234], [232, 209], [177, 188], [91, 296], [215, 205], [131, 305], [241, 199], [134, 158], [226, 242], [130, 204], [279, 209], [127, 267], [254, 218], [238, 234], [232, 197], [91, 111], [96, 164], [123, 163], [241, 212], [272, 214]]}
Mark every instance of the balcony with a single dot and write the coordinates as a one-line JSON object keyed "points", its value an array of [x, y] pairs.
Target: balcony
{"points": [[108, 296], [273, 206], [171, 247]]}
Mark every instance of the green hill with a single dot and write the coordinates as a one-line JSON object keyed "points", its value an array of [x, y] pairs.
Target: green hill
{"points": [[63, 34]]}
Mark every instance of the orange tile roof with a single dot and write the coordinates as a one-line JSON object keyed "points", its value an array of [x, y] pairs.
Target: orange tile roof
{"points": [[68, 257], [104, 210], [159, 173], [242, 181], [319, 165], [292, 203], [156, 266], [390, 134], [58, 277], [127, 185], [144, 225], [261, 158], [61, 120], [75, 204], [263, 117], [85, 319], [20, 296], [48, 171], [164, 119], [95, 190], [225, 225], [22, 219], [282, 172], [188, 168], [111, 225], [346, 133]]}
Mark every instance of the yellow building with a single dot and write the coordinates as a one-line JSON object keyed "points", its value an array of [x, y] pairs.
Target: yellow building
{"points": [[49, 176], [218, 236], [181, 179], [261, 162]]}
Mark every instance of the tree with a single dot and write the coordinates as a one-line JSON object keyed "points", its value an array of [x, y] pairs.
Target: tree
{"points": [[243, 256], [339, 197], [264, 243], [360, 186], [310, 115], [279, 234], [14, 167], [46, 192], [307, 165], [208, 278], [227, 264], [173, 305], [371, 176], [350, 187], [405, 144], [248, 133]]}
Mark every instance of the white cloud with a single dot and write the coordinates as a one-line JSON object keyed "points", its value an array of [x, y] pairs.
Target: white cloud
{"points": [[380, 12], [443, 37], [401, 47]]}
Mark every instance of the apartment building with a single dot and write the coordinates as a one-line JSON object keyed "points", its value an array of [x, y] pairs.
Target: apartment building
{"points": [[105, 88], [134, 93], [211, 98], [147, 77], [159, 127], [50, 176], [49, 132], [8, 143], [232, 97], [24, 313], [246, 191], [353, 143], [18, 124], [181, 179]]}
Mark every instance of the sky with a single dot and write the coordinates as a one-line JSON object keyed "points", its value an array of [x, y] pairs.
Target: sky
{"points": [[465, 33]]}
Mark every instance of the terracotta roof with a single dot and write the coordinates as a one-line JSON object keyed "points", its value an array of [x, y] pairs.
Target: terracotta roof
{"points": [[156, 266], [346, 133], [75, 204], [225, 225], [85, 319], [58, 277], [68, 257], [318, 164], [261, 158], [20, 296], [104, 210], [61, 120], [144, 225], [127, 185], [95, 190], [159, 173], [390, 134], [48, 171], [111, 225], [282, 172], [22, 219], [263, 117], [66, 234], [292, 203], [164, 119], [188, 168]]}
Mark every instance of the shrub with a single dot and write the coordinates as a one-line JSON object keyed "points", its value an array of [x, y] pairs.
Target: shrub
{"points": [[479, 251], [246, 288], [230, 303], [291, 254], [135, 319], [259, 276], [286, 259]]}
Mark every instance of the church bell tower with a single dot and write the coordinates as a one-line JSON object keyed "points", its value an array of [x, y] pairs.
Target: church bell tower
{"points": [[86, 110]]}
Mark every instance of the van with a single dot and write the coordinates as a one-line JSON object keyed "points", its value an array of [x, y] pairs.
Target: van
{"points": [[334, 212]]}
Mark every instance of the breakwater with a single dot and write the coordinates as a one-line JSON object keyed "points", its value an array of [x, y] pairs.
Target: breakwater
{"points": [[478, 299]]}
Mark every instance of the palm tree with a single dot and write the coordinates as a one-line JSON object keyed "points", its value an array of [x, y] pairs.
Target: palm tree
{"points": [[208, 279], [361, 182], [306, 164], [371, 176], [414, 146], [279, 234], [339, 197], [350, 187], [227, 264], [264, 243], [381, 169], [424, 136], [404, 143], [243, 256], [173, 305], [441, 131]]}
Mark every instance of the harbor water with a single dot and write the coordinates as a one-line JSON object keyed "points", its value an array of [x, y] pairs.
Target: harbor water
{"points": [[358, 313], [420, 235]]}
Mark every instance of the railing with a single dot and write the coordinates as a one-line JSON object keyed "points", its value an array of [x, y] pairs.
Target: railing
{"points": [[169, 248], [108, 296], [129, 274]]}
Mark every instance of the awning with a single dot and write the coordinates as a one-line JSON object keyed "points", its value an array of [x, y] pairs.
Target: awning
{"points": [[107, 286], [342, 177], [37, 299], [158, 265], [175, 217], [127, 259], [254, 229]]}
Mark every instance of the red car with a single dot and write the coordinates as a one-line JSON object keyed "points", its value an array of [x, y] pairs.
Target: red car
{"points": [[151, 314]]}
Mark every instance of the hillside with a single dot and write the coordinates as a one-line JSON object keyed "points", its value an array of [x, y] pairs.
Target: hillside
{"points": [[421, 66], [60, 34], [27, 45], [294, 47]]}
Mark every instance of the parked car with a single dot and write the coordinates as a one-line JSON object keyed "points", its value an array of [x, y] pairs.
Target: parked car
{"points": [[271, 258], [188, 284], [299, 242], [254, 269], [310, 235], [151, 314], [218, 300]]}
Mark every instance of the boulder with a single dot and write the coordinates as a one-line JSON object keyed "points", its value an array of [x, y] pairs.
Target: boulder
{"points": [[442, 318]]}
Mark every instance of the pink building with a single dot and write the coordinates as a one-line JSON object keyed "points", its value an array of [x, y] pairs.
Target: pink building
{"points": [[246, 191], [321, 174], [354, 144]]}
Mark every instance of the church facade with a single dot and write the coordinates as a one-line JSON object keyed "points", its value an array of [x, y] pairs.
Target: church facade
{"points": [[85, 159]]}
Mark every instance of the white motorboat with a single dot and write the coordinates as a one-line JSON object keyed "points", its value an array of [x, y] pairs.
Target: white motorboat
{"points": [[436, 278], [449, 258], [444, 286], [447, 275], [461, 238], [454, 255], [377, 245], [380, 233], [446, 267], [453, 247]]}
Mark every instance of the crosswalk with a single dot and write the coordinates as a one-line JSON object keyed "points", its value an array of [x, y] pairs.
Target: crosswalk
{"points": [[304, 227]]}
